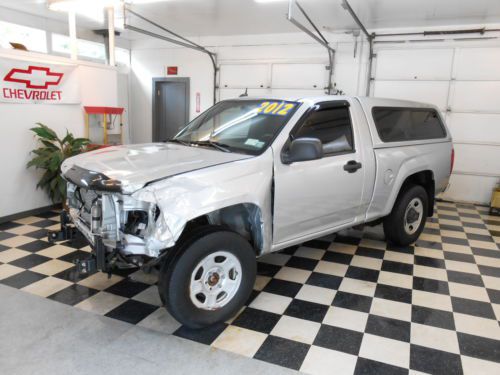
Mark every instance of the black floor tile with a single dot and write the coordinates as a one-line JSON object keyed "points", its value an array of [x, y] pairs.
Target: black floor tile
{"points": [[306, 310], [22, 279], [71, 274], [448, 217], [455, 241], [266, 269], [429, 244], [9, 225], [75, 255], [324, 280], [29, 261], [486, 252], [332, 256], [432, 317], [47, 214], [204, 336], [132, 311], [393, 293], [470, 307], [349, 240], [430, 285], [302, 263], [387, 327], [429, 262], [368, 367], [397, 267], [6, 235], [494, 295], [450, 255], [127, 288], [317, 244], [364, 274], [282, 352], [479, 347], [474, 225], [465, 278], [289, 250], [455, 228], [432, 231], [256, 320], [340, 339], [479, 237], [35, 246], [401, 249], [369, 252], [38, 234], [434, 361], [45, 223], [3, 248], [489, 271], [76, 243], [352, 301], [282, 287], [73, 294]]}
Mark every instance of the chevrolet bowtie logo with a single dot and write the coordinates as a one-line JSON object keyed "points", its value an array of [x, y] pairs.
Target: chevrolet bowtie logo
{"points": [[35, 77]]}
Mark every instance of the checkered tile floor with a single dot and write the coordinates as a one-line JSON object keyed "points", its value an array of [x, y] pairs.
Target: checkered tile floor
{"points": [[345, 304]]}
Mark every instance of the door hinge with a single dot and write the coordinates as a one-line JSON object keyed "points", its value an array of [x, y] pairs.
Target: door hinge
{"points": [[158, 92]]}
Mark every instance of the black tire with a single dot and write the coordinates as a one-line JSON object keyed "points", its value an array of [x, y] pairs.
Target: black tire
{"points": [[394, 224], [175, 275]]}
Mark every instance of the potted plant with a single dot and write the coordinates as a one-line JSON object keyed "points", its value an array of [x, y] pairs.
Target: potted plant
{"points": [[50, 154]]}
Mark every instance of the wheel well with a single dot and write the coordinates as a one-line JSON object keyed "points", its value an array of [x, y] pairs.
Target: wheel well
{"points": [[426, 180], [244, 219]]}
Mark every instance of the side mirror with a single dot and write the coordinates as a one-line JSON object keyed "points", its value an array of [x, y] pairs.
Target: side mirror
{"points": [[303, 149]]}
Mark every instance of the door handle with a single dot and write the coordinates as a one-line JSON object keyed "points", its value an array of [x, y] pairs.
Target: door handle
{"points": [[352, 166]]}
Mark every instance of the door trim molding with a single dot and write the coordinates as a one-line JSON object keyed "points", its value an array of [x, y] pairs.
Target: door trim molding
{"points": [[155, 98]]}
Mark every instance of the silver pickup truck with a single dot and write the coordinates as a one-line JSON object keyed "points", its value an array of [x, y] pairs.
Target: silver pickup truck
{"points": [[253, 176]]}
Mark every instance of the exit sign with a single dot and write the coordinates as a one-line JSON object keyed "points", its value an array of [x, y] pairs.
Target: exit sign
{"points": [[172, 70]]}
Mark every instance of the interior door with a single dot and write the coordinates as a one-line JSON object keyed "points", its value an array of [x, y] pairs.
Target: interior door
{"points": [[314, 196], [171, 107]]}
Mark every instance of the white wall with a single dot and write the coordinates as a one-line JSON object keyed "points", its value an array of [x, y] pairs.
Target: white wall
{"points": [[150, 57], [98, 85]]}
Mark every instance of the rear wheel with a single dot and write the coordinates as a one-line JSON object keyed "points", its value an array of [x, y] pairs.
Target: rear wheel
{"points": [[209, 279], [407, 218]]}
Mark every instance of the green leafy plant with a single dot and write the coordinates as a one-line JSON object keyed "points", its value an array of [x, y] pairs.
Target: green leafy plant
{"points": [[49, 157]]}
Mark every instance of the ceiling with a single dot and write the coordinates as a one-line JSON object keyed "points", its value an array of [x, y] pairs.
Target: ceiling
{"points": [[233, 17]]}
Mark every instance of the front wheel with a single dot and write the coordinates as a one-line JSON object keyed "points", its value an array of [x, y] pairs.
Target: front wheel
{"points": [[209, 279], [407, 218]]}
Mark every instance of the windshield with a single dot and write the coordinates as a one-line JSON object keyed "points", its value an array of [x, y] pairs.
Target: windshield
{"points": [[242, 126]]}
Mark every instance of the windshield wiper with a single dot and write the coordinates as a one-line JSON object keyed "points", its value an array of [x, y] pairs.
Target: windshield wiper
{"points": [[219, 146]]}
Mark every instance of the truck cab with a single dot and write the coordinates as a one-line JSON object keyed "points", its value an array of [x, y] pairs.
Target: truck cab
{"points": [[251, 176]]}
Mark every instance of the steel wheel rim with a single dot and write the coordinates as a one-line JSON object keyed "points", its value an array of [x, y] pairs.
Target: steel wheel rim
{"points": [[215, 280], [414, 214]]}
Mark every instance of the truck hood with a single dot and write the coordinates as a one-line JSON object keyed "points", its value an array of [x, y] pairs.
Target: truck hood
{"points": [[136, 165]]}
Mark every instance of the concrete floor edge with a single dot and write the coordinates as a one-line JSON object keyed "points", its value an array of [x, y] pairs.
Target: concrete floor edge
{"points": [[43, 337]]}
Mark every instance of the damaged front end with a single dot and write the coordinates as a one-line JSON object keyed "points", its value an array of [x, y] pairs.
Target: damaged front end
{"points": [[122, 230]]}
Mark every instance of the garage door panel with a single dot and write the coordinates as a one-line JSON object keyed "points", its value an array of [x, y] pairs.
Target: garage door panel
{"points": [[480, 159], [422, 64], [466, 188], [234, 93], [422, 91], [477, 64], [243, 75], [474, 127], [303, 76], [476, 96]]}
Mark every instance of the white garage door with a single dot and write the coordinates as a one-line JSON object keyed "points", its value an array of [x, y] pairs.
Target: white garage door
{"points": [[272, 79], [465, 84]]}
